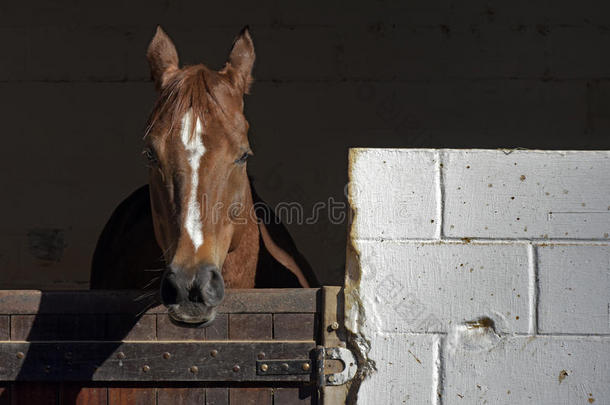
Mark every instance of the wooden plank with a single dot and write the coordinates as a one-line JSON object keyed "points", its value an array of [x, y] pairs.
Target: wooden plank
{"points": [[34, 327], [217, 396], [294, 396], [57, 327], [167, 330], [131, 396], [277, 300], [180, 396], [70, 302], [250, 326], [5, 327], [5, 394], [294, 326], [82, 327], [127, 327], [35, 393], [219, 329], [250, 396], [76, 394], [147, 361]]}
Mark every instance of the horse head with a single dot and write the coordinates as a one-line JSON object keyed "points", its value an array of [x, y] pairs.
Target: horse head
{"points": [[196, 146]]}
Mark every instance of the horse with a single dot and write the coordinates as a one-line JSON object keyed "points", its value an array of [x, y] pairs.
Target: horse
{"points": [[199, 222]]}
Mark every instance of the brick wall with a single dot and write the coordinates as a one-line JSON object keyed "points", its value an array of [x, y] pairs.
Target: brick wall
{"points": [[329, 75], [480, 276]]}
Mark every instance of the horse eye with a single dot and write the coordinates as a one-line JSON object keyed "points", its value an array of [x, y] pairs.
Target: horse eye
{"points": [[149, 156], [243, 158]]}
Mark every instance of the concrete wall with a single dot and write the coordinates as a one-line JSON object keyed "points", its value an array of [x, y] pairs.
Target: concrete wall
{"points": [[480, 276], [330, 75]]}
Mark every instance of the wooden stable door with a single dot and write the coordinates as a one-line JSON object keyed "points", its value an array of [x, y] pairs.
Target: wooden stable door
{"points": [[94, 347]]}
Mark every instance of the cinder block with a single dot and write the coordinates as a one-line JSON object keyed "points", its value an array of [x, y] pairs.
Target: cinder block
{"points": [[394, 193], [429, 287], [527, 370], [405, 369], [574, 286], [526, 194]]}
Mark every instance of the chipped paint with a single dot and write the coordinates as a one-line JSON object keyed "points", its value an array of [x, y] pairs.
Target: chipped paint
{"points": [[355, 314], [456, 315]]}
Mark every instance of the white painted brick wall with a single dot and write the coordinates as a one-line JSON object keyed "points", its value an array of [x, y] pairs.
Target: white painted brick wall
{"points": [[526, 194], [574, 283], [459, 293]]}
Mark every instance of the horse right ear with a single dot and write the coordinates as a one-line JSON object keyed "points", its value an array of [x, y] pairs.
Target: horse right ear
{"points": [[162, 57]]}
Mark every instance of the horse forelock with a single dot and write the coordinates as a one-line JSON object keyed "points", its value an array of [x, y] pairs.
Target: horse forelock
{"points": [[192, 89]]}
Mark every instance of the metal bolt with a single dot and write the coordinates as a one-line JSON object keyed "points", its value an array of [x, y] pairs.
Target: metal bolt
{"points": [[120, 355], [146, 368], [166, 355], [214, 353], [236, 368], [20, 355], [285, 366], [331, 378], [305, 366], [264, 367], [261, 355], [194, 369], [334, 325]]}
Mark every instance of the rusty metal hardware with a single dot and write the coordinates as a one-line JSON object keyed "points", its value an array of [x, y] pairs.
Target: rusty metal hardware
{"points": [[283, 367], [342, 354], [320, 355]]}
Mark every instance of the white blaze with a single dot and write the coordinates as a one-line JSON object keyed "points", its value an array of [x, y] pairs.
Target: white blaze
{"points": [[195, 150]]}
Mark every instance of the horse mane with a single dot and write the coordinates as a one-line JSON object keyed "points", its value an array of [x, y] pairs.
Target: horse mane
{"points": [[191, 88]]}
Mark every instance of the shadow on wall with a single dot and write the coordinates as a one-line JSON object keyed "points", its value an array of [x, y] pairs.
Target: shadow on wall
{"points": [[327, 77]]}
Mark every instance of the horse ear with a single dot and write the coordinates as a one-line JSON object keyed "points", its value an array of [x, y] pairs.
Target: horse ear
{"points": [[162, 57], [241, 60]]}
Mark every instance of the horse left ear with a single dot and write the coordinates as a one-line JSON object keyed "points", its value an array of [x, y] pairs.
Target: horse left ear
{"points": [[241, 60]]}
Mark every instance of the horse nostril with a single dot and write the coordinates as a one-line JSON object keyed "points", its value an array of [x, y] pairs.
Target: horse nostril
{"points": [[169, 291], [213, 290], [195, 294]]}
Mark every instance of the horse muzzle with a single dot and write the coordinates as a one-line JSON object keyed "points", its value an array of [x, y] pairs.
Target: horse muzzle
{"points": [[192, 295]]}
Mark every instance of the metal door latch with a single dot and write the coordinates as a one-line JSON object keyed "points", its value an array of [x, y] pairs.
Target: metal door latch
{"points": [[304, 366], [342, 354]]}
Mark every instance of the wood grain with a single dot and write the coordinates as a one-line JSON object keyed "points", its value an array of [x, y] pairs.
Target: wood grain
{"points": [[294, 326], [76, 394], [219, 329], [131, 396], [166, 330], [250, 396], [5, 394], [217, 396], [293, 396], [250, 326], [180, 396], [23, 393], [5, 327], [277, 300], [127, 327]]}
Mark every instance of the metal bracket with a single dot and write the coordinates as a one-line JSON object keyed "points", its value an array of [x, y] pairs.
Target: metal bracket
{"points": [[283, 367], [342, 354]]}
